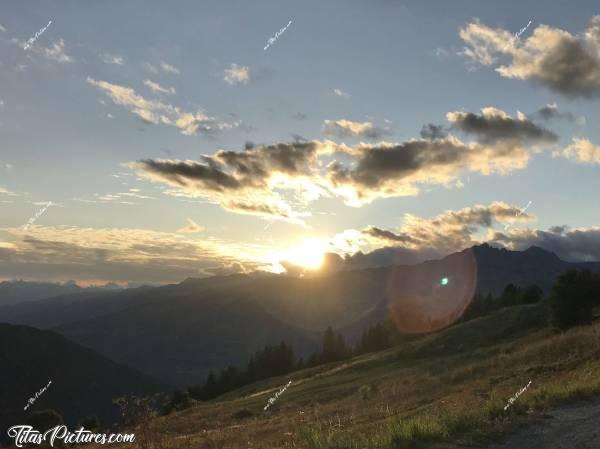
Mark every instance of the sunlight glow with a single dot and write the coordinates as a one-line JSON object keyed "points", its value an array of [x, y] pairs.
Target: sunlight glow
{"points": [[308, 254]]}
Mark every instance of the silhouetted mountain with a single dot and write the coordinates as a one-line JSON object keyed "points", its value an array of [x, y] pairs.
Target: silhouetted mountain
{"points": [[498, 267], [14, 292], [180, 332], [83, 382], [495, 268], [181, 339], [51, 312]]}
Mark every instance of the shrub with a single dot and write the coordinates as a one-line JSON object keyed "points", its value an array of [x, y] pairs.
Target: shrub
{"points": [[243, 414], [572, 299]]}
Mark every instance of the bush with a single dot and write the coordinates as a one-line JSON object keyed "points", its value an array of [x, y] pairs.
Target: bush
{"points": [[572, 299], [179, 401], [243, 414]]}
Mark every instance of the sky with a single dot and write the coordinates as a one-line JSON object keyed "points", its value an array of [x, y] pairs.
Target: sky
{"points": [[148, 142]]}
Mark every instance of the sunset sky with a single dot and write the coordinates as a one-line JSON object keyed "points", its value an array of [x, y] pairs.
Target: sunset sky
{"points": [[172, 144]]}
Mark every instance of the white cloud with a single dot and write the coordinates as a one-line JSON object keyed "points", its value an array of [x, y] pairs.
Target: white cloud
{"points": [[115, 254], [191, 228], [5, 191], [236, 74], [169, 68], [582, 151], [57, 52], [155, 87], [2, 28], [112, 59], [565, 63], [154, 111], [341, 93]]}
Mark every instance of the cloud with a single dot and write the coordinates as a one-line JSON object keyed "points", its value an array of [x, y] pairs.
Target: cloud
{"points": [[137, 255], [5, 191], [501, 145], [226, 269], [341, 93], [112, 59], [551, 112], [169, 68], [571, 245], [2, 28], [245, 182], [582, 151], [551, 57], [431, 131], [347, 128], [279, 180], [449, 231], [494, 125], [154, 111], [155, 87], [191, 228], [440, 52], [418, 239], [57, 52], [236, 74]]}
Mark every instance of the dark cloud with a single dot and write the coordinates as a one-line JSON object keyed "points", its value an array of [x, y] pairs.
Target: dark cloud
{"points": [[184, 174], [262, 179], [570, 68], [384, 234], [431, 131], [551, 57], [570, 245], [493, 125], [239, 181], [299, 138], [449, 231], [225, 270], [299, 116], [379, 164], [550, 112]]}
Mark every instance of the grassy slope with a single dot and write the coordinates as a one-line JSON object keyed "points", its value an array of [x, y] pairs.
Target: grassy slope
{"points": [[451, 386]]}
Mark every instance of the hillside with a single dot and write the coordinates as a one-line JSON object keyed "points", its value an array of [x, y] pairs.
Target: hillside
{"points": [[443, 390], [172, 331], [182, 339], [83, 382]]}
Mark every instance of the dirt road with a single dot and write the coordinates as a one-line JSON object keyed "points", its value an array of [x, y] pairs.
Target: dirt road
{"points": [[574, 426]]}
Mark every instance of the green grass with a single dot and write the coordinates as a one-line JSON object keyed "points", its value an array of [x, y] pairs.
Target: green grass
{"points": [[441, 389]]}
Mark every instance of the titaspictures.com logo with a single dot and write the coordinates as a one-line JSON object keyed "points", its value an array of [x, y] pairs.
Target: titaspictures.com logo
{"points": [[24, 434]]}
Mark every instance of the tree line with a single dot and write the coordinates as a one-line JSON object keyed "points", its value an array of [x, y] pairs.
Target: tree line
{"points": [[571, 302]]}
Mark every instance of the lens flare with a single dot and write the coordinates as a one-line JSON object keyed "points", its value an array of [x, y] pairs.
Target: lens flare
{"points": [[416, 300]]}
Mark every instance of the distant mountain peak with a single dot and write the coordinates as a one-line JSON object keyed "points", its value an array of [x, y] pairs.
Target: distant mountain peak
{"points": [[534, 250]]}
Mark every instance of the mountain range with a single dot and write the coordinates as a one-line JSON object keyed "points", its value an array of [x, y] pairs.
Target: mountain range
{"points": [[178, 333]]}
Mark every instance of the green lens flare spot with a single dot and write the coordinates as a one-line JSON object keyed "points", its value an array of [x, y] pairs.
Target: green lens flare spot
{"points": [[444, 281]]}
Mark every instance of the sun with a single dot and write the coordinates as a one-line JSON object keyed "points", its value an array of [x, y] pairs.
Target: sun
{"points": [[309, 254]]}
